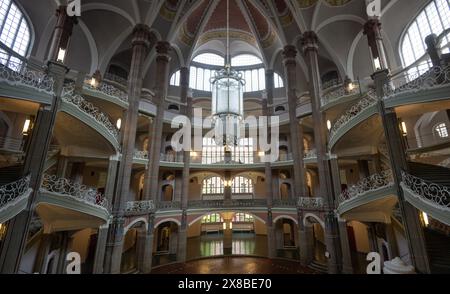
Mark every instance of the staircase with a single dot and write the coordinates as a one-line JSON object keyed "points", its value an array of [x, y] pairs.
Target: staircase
{"points": [[430, 173], [318, 266], [10, 174], [438, 248]]}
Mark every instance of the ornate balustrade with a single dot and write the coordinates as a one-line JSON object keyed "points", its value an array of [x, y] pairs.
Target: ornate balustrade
{"points": [[434, 194], [168, 205], [13, 191], [139, 207], [16, 73], [138, 154], [112, 77], [284, 203], [370, 184], [353, 112], [78, 191], [415, 81], [339, 92], [108, 89], [310, 203], [77, 100], [227, 203], [310, 154]]}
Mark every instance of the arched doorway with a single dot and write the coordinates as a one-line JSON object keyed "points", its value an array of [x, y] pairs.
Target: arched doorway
{"points": [[165, 243], [286, 232], [315, 226], [129, 261], [167, 193]]}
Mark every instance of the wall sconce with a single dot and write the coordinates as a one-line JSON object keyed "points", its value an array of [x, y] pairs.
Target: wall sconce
{"points": [[231, 226], [404, 129], [119, 123], [329, 125], [193, 154], [377, 63], [93, 82], [224, 225], [61, 55], [261, 153], [425, 219], [26, 126], [350, 87]]}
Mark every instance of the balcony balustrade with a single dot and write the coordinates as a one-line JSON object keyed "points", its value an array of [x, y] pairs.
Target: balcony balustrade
{"points": [[139, 207], [310, 203]]}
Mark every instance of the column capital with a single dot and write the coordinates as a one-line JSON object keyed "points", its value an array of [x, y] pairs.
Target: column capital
{"points": [[289, 54], [372, 26], [270, 72], [141, 35], [309, 41], [163, 50]]}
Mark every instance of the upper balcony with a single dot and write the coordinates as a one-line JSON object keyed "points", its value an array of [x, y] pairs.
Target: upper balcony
{"points": [[14, 198]]}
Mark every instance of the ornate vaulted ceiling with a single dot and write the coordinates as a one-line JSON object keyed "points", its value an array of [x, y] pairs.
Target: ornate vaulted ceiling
{"points": [[261, 27]]}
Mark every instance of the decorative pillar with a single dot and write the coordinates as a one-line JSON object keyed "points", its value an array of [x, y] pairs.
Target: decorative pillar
{"points": [[62, 33], [267, 106], [347, 265], [372, 29], [227, 236], [310, 48], [64, 243], [432, 49], [17, 233], [186, 97], [396, 148], [289, 55], [151, 188], [271, 242], [140, 45], [42, 254], [227, 195]]}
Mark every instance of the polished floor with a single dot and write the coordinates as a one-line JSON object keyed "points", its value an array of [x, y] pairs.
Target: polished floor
{"points": [[235, 265]]}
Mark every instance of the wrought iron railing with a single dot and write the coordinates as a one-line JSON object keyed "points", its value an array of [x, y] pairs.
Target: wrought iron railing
{"points": [[434, 194], [14, 190], [373, 183], [353, 112], [310, 154], [417, 80], [168, 205], [108, 89], [310, 203], [62, 186], [17, 73], [339, 92], [284, 203], [138, 154], [115, 78], [137, 207], [235, 203], [77, 100]]}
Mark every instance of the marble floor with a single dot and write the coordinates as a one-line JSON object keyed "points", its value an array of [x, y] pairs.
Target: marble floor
{"points": [[235, 265]]}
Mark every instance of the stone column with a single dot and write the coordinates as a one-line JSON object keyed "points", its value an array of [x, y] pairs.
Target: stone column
{"points": [[62, 32], [186, 97], [140, 45], [227, 195], [310, 49], [271, 241], [42, 254], [289, 55], [227, 237], [372, 29], [267, 106], [64, 243], [410, 215], [392, 240], [347, 266], [17, 233], [151, 188]]}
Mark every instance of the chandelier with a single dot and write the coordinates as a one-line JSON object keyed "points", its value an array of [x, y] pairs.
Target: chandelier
{"points": [[227, 99]]}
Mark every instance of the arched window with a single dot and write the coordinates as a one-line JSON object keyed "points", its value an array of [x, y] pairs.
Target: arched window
{"points": [[213, 186], [441, 130], [277, 81], [211, 152], [175, 79], [210, 59], [241, 217], [15, 35], [433, 19], [245, 60], [242, 185], [212, 218], [243, 152]]}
